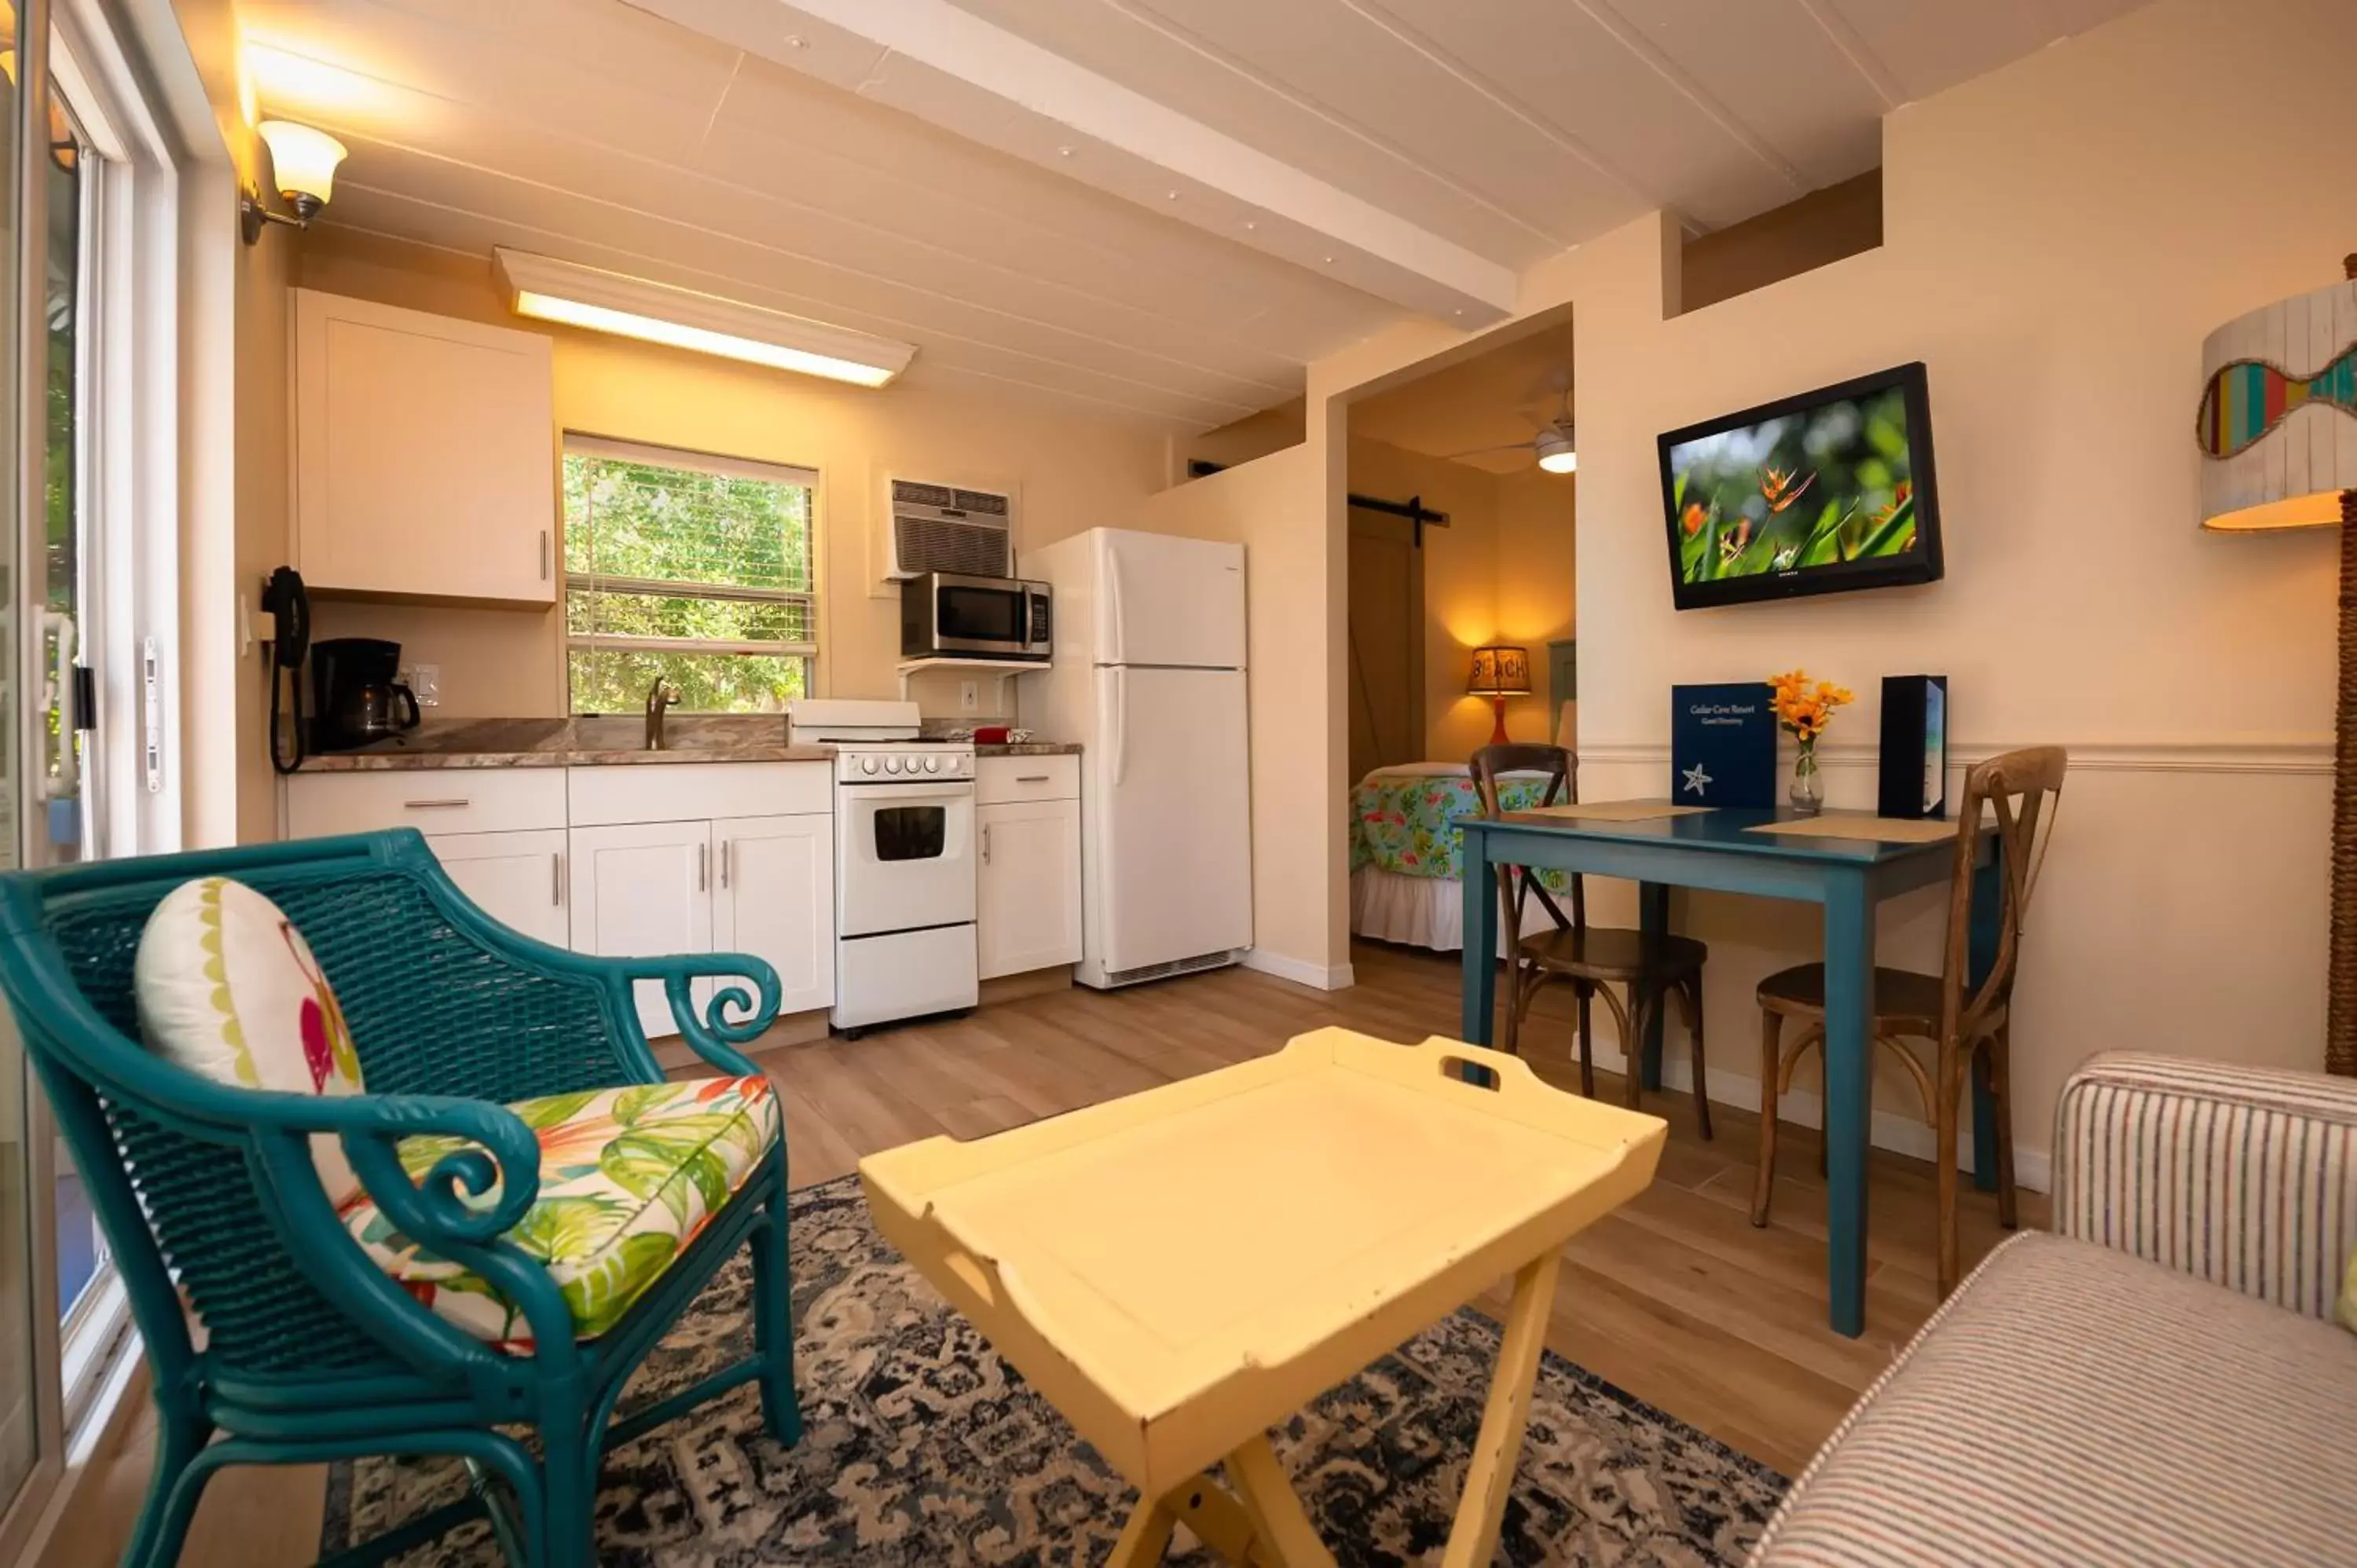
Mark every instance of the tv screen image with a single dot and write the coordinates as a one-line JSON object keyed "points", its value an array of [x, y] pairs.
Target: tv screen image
{"points": [[1827, 490]]}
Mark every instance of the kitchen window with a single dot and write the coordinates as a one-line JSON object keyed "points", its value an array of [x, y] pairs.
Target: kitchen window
{"points": [[695, 569]]}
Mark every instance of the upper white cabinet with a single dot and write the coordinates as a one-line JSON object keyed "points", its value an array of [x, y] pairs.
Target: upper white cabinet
{"points": [[425, 456]]}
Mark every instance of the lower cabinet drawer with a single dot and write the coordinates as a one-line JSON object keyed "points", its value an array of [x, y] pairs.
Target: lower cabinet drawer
{"points": [[998, 780], [433, 800]]}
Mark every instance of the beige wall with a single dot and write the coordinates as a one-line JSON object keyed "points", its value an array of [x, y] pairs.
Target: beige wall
{"points": [[1272, 507], [2059, 237], [1501, 570], [1072, 470]]}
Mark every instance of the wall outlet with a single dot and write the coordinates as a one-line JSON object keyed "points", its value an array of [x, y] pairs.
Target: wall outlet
{"points": [[969, 696], [425, 681]]}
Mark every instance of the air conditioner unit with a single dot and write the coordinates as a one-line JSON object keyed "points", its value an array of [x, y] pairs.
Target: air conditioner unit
{"points": [[941, 528]]}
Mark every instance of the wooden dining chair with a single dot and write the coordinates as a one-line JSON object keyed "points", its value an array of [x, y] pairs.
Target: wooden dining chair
{"points": [[1592, 959], [1967, 1027]]}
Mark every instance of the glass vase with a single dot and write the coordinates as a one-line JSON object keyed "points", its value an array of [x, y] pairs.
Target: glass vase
{"points": [[1808, 791]]}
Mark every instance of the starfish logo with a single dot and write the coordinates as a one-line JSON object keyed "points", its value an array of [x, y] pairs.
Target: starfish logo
{"points": [[1697, 780]]}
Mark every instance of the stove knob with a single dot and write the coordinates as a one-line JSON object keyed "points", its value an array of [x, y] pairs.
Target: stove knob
{"points": [[868, 765], [932, 765], [891, 765]]}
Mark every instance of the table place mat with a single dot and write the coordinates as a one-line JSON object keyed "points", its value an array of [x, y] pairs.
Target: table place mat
{"points": [[1615, 810], [1861, 825]]}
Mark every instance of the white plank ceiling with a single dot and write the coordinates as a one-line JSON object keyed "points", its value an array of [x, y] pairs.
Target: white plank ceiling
{"points": [[1320, 168]]}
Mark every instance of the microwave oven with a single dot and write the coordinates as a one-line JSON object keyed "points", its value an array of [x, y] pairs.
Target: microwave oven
{"points": [[947, 614]]}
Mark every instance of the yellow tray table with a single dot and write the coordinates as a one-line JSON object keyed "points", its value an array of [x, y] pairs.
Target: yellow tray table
{"points": [[1181, 1270]]}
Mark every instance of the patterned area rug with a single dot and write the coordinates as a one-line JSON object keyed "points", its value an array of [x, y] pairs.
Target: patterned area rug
{"points": [[923, 1447]]}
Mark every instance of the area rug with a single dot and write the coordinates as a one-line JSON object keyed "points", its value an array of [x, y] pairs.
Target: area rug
{"points": [[923, 1447]]}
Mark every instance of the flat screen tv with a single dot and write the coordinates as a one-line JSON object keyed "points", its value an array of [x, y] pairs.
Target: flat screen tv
{"points": [[1815, 494]]}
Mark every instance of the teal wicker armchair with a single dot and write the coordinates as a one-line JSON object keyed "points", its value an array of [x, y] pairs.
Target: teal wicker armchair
{"points": [[209, 1195]]}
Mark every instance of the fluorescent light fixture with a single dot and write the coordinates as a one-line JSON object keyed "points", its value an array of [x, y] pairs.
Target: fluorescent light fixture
{"points": [[1556, 453], [546, 289]]}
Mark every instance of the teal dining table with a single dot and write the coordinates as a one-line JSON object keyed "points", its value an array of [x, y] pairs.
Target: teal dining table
{"points": [[1714, 850]]}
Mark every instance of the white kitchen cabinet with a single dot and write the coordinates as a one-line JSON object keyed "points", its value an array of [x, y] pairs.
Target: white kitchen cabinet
{"points": [[517, 878], [644, 891], [425, 456], [1028, 888], [775, 899]]}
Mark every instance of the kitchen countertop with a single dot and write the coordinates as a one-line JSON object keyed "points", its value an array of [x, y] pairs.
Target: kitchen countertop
{"points": [[599, 741]]}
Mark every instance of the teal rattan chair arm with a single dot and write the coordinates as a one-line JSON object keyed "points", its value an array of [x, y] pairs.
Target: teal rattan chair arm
{"points": [[713, 1036]]}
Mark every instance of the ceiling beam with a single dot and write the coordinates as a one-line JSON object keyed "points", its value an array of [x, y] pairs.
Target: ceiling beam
{"points": [[977, 79]]}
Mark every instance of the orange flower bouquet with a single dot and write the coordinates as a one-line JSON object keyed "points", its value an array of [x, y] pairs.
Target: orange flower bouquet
{"points": [[1803, 708]]}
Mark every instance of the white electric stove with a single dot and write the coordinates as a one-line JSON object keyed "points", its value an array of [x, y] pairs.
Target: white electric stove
{"points": [[904, 861]]}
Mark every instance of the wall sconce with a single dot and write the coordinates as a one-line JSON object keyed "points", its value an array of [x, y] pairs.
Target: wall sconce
{"points": [[303, 162]]}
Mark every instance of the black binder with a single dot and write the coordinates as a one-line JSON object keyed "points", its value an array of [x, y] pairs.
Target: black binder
{"points": [[1913, 780]]}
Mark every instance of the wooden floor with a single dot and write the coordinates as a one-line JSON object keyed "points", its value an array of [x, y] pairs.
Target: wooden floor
{"points": [[1675, 1298]]}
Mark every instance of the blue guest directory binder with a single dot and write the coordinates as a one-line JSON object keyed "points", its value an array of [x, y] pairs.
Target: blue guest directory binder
{"points": [[1722, 745]]}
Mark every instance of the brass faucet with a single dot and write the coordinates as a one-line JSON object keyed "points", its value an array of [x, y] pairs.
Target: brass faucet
{"points": [[659, 696]]}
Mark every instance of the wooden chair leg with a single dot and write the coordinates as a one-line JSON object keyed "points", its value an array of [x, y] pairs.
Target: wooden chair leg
{"points": [[1587, 1042], [1771, 1061], [1948, 1076], [1632, 1047], [2000, 1068], [1515, 1003], [1690, 1002]]}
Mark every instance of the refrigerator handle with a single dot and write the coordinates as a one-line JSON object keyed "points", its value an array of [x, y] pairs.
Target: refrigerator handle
{"points": [[1120, 725], [1119, 652]]}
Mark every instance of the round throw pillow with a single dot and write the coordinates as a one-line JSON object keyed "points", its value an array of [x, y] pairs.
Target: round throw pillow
{"points": [[227, 988]]}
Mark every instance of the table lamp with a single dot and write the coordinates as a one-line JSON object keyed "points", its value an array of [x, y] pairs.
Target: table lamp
{"points": [[2277, 429], [1501, 670]]}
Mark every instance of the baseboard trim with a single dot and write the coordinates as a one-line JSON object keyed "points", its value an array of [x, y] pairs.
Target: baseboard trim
{"points": [[1889, 1130], [1301, 972]]}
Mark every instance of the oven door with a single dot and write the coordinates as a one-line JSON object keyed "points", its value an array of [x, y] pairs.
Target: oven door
{"points": [[904, 857], [986, 615]]}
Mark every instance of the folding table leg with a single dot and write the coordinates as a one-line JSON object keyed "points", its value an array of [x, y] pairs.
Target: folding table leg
{"points": [[1284, 1537], [1145, 1538], [1473, 1539]]}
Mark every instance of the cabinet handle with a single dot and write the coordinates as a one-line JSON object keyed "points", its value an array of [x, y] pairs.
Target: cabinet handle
{"points": [[434, 805], [545, 553], [1030, 778], [985, 843], [703, 867], [557, 880], [726, 847]]}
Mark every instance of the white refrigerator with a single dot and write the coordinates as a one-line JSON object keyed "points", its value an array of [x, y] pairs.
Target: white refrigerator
{"points": [[1148, 676]]}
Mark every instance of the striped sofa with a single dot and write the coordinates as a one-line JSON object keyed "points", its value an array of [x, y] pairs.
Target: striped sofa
{"points": [[2158, 1381]]}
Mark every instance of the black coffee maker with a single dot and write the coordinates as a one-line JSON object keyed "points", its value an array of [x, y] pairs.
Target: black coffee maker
{"points": [[356, 701]]}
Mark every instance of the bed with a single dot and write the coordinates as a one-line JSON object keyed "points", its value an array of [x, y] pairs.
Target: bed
{"points": [[1407, 856]]}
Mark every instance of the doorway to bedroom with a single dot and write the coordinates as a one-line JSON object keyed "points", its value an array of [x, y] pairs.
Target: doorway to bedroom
{"points": [[1460, 616]]}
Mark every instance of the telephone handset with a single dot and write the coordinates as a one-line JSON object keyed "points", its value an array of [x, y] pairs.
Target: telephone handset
{"points": [[289, 608]]}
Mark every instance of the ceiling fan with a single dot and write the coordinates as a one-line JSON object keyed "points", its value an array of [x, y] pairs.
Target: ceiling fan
{"points": [[1558, 453]]}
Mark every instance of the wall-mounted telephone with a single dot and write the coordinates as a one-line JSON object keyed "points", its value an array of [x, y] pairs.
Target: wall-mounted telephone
{"points": [[289, 608]]}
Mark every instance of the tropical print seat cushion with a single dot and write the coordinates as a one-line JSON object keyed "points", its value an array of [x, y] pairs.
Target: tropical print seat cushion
{"points": [[628, 1177]]}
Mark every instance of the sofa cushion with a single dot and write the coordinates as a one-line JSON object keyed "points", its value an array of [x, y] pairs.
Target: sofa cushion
{"points": [[226, 987], [2069, 1404], [628, 1177]]}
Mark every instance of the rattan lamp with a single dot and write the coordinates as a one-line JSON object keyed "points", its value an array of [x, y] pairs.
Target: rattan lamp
{"points": [[2278, 433], [1501, 670]]}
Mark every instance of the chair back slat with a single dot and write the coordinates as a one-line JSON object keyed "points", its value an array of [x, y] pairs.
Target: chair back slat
{"points": [[2015, 792], [1517, 885]]}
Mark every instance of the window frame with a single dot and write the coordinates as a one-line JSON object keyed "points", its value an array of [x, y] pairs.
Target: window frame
{"points": [[811, 650]]}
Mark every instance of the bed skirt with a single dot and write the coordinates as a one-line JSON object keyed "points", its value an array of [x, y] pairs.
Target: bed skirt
{"points": [[1417, 911]]}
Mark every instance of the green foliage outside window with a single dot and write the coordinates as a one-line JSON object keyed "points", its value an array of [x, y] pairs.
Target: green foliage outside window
{"points": [[704, 579]]}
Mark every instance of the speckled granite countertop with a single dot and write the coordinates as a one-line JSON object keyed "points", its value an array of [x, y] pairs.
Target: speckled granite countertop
{"points": [[597, 742]]}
